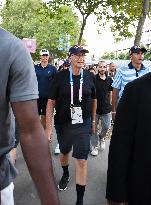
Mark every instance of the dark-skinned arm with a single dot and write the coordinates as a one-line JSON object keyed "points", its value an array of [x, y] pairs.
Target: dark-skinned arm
{"points": [[36, 150]]}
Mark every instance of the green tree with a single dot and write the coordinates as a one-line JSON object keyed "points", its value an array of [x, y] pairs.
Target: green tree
{"points": [[110, 56], [123, 14], [52, 29], [144, 14]]}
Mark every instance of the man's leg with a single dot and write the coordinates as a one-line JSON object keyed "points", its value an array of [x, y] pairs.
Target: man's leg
{"points": [[42, 104], [81, 178], [7, 195], [64, 160], [95, 138], [105, 125]]}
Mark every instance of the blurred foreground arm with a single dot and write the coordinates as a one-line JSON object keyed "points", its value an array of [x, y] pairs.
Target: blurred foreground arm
{"points": [[36, 151]]}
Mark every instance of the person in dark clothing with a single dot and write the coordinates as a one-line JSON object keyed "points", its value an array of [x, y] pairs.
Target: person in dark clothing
{"points": [[74, 98], [103, 112], [13, 152], [129, 160], [19, 92], [45, 74]]}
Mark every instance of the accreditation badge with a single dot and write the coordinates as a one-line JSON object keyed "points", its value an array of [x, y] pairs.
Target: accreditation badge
{"points": [[76, 114]]}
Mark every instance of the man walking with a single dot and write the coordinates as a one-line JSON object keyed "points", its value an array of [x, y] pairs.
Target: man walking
{"points": [[127, 74], [18, 90], [74, 98], [103, 112], [45, 74]]}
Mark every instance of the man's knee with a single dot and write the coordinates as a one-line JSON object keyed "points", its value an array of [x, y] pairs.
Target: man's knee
{"points": [[81, 163]]}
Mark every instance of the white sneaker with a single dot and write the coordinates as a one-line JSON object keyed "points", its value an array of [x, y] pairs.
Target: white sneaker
{"points": [[102, 146], [57, 150], [94, 151]]}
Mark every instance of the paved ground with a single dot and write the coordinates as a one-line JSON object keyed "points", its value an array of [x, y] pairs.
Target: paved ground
{"points": [[25, 193]]}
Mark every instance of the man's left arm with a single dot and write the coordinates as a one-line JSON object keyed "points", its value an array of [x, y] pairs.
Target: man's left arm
{"points": [[36, 150], [94, 106]]}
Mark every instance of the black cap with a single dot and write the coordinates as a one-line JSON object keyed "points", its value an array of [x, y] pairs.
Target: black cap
{"points": [[77, 49], [137, 49]]}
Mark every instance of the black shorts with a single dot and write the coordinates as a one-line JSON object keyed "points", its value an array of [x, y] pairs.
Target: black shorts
{"points": [[76, 136], [42, 104]]}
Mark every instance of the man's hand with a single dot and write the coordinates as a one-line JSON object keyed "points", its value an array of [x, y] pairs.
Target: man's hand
{"points": [[49, 134], [113, 116]]}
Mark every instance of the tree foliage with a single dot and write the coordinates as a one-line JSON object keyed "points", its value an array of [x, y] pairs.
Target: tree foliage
{"points": [[123, 14], [53, 29], [122, 55]]}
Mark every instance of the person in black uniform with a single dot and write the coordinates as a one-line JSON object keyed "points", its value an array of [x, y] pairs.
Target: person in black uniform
{"points": [[129, 161], [74, 98]]}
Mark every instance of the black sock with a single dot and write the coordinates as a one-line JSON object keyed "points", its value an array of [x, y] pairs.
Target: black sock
{"points": [[65, 170], [80, 193]]}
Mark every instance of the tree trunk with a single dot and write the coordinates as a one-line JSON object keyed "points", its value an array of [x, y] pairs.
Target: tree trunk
{"points": [[145, 12], [82, 29]]}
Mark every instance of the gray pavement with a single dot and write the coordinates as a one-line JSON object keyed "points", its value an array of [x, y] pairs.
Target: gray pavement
{"points": [[25, 193]]}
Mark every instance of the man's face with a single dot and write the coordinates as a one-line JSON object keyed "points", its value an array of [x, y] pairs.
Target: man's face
{"points": [[112, 67], [102, 67], [137, 58], [78, 60], [44, 58]]}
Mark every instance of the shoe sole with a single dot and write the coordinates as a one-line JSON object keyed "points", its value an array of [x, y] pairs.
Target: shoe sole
{"points": [[65, 188], [56, 153]]}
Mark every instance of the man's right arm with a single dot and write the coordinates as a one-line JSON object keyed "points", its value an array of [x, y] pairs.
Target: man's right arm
{"points": [[115, 94], [36, 150], [49, 117]]}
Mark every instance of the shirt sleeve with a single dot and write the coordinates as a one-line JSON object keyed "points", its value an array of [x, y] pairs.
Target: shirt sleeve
{"points": [[117, 80], [22, 83]]}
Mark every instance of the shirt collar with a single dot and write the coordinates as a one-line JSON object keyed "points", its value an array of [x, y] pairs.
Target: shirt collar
{"points": [[132, 67]]}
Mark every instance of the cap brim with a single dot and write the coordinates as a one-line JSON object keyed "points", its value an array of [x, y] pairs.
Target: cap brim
{"points": [[44, 54], [143, 50]]}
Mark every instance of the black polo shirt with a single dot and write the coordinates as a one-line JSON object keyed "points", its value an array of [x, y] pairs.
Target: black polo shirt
{"points": [[103, 87], [61, 93]]}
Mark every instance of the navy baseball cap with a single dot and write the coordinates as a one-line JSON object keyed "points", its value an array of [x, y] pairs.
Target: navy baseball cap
{"points": [[137, 49], [77, 49]]}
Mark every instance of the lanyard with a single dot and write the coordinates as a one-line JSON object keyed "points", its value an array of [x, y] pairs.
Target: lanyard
{"points": [[71, 83]]}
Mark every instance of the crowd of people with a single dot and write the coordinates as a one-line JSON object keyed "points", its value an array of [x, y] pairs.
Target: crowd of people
{"points": [[80, 102]]}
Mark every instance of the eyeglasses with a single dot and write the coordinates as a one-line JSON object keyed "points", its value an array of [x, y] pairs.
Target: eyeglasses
{"points": [[78, 55]]}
